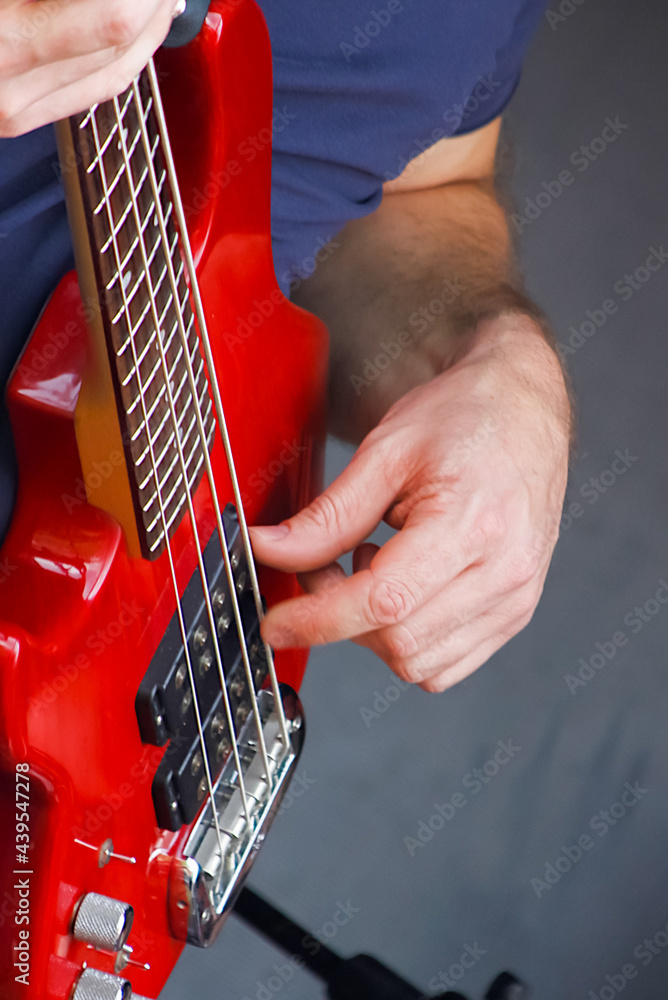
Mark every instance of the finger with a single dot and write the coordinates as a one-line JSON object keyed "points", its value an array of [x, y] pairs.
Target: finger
{"points": [[335, 522], [454, 673], [316, 580], [37, 34], [487, 632], [478, 591], [76, 96], [402, 575]]}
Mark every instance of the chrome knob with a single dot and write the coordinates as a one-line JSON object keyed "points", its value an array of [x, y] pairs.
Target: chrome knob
{"points": [[95, 985], [103, 922]]}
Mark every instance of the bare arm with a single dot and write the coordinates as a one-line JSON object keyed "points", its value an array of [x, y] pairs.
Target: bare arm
{"points": [[443, 371]]}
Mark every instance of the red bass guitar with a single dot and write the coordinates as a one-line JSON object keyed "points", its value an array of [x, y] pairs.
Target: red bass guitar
{"points": [[168, 396]]}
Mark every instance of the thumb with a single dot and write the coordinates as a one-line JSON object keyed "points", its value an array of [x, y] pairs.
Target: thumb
{"points": [[335, 522]]}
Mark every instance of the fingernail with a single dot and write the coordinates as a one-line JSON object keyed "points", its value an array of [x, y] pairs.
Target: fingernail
{"points": [[179, 8], [271, 532]]}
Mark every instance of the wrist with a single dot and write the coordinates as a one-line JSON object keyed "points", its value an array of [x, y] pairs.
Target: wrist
{"points": [[516, 346]]}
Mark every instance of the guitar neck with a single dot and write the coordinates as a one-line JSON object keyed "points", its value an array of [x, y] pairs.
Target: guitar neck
{"points": [[148, 376]]}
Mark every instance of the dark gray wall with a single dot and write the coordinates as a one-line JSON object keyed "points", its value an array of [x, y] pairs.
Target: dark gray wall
{"points": [[369, 786]]}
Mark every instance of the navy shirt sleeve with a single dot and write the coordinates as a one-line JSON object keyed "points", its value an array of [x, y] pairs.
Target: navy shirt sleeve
{"points": [[361, 89]]}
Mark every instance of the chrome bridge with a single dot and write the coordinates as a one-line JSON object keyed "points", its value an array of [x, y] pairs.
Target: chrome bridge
{"points": [[223, 843]]}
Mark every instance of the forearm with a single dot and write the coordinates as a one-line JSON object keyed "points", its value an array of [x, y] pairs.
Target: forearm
{"points": [[405, 293]]}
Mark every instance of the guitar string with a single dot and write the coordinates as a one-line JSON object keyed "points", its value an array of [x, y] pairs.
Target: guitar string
{"points": [[117, 256], [184, 469], [222, 424], [146, 139]]}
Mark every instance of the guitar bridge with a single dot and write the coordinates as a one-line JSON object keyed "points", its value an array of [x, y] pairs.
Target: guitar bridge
{"points": [[204, 883]]}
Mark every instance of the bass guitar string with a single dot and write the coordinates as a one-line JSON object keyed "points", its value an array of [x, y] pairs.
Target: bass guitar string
{"points": [[184, 469], [142, 113], [222, 424], [161, 505]]}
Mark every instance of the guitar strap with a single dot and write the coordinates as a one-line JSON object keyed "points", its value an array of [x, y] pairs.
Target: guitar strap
{"points": [[187, 25]]}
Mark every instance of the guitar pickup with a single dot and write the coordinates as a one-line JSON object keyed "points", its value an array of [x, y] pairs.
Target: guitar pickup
{"points": [[174, 682]]}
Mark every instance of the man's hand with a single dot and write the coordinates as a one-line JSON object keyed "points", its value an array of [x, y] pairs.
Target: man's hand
{"points": [[471, 469], [58, 57]]}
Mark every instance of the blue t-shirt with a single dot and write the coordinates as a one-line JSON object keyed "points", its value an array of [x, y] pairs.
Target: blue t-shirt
{"points": [[359, 91]]}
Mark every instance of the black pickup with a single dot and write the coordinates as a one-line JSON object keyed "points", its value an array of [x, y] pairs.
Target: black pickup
{"points": [[165, 702]]}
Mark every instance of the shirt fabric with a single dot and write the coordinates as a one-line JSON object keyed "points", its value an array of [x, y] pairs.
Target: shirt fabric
{"points": [[359, 91]]}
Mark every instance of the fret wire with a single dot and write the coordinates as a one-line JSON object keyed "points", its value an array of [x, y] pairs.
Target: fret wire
{"points": [[179, 390], [110, 137], [209, 469], [169, 443], [115, 182], [138, 462], [150, 378], [117, 228], [179, 609], [198, 549], [156, 435], [194, 453], [129, 253], [185, 439], [177, 510], [140, 277], [215, 388], [192, 478], [132, 371], [181, 501]]}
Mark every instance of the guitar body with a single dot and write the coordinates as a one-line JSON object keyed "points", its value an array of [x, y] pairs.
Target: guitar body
{"points": [[80, 620]]}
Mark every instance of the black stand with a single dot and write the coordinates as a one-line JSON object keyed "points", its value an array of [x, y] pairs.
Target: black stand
{"points": [[359, 978]]}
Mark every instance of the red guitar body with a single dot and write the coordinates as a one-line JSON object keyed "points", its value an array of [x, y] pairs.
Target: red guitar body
{"points": [[79, 619]]}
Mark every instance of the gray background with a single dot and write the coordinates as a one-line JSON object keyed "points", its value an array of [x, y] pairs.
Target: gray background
{"points": [[343, 839]]}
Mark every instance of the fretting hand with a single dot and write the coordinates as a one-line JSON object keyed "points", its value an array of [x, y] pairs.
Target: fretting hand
{"points": [[57, 57]]}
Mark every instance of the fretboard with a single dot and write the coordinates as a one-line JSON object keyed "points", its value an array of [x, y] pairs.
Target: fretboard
{"points": [[145, 306]]}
